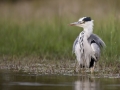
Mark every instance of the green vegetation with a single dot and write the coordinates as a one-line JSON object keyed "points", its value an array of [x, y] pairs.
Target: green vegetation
{"points": [[47, 39], [54, 40]]}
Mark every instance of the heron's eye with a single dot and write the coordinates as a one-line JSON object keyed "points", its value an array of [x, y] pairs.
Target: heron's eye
{"points": [[82, 22]]}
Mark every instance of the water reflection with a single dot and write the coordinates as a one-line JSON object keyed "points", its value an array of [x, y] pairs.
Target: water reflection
{"points": [[23, 81], [86, 83]]}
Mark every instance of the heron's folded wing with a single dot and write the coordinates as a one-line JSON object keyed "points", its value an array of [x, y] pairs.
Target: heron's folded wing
{"points": [[96, 50], [97, 40], [96, 44]]}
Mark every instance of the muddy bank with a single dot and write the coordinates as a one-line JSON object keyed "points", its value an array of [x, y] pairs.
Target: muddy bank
{"points": [[35, 65]]}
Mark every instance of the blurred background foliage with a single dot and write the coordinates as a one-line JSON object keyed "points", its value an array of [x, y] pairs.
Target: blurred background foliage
{"points": [[41, 27]]}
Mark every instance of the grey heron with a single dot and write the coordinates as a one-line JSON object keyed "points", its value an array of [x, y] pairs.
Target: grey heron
{"points": [[87, 46]]}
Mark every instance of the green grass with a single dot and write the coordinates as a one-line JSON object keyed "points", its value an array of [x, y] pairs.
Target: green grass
{"points": [[44, 40], [54, 39]]}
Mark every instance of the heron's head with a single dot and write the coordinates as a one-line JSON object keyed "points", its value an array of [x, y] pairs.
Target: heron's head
{"points": [[84, 22]]}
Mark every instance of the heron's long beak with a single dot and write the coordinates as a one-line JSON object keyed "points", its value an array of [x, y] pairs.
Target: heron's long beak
{"points": [[74, 24]]}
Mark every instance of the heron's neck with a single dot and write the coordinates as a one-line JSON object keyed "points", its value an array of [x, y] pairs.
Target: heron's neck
{"points": [[88, 31]]}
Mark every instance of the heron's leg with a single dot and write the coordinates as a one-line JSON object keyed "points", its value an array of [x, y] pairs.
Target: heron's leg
{"points": [[85, 63], [92, 68], [77, 67]]}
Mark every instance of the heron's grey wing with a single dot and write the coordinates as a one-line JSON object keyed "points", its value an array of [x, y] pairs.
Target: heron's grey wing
{"points": [[74, 44], [97, 40], [96, 50], [96, 44]]}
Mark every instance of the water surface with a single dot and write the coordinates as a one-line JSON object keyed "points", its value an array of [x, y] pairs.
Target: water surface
{"points": [[26, 81]]}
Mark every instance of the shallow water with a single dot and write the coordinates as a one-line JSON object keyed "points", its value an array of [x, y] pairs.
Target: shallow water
{"points": [[24, 81]]}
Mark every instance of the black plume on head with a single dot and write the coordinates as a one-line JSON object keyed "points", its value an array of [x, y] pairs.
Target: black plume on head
{"points": [[87, 19]]}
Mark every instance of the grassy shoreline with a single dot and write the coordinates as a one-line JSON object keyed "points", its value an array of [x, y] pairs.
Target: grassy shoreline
{"points": [[35, 65]]}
